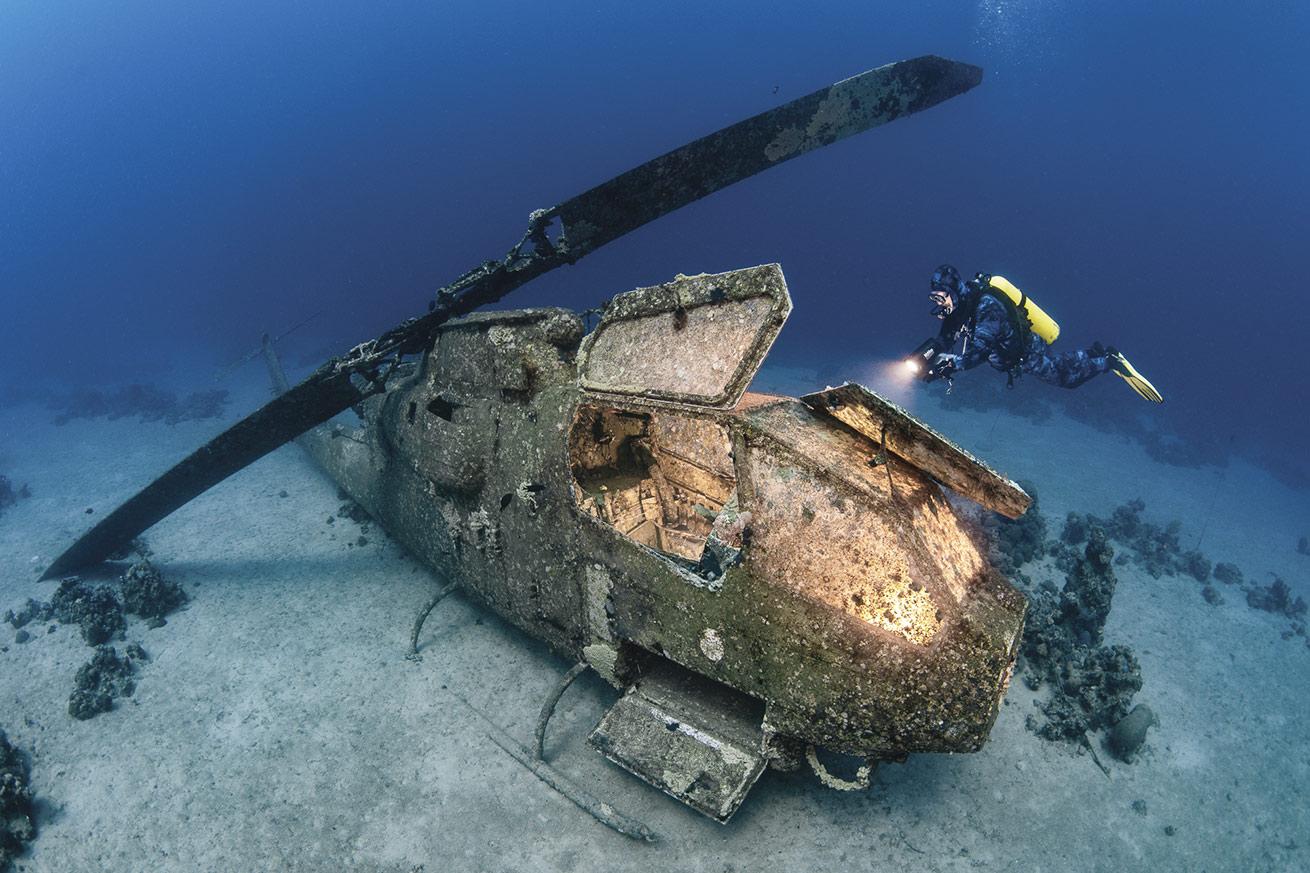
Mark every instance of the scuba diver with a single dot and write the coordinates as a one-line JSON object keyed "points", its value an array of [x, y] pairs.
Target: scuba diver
{"points": [[999, 324]]}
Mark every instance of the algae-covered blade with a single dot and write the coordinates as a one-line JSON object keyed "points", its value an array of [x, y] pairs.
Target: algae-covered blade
{"points": [[713, 162], [309, 403], [588, 221]]}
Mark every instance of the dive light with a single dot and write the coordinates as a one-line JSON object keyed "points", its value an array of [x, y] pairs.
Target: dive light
{"points": [[920, 361]]}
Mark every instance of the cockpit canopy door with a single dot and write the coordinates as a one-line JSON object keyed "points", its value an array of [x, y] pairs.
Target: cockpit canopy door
{"points": [[697, 340], [905, 436]]}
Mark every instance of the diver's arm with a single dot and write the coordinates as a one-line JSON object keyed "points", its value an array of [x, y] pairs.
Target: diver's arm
{"points": [[990, 327]]}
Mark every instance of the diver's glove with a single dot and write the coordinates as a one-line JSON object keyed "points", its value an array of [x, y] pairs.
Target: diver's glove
{"points": [[943, 366]]}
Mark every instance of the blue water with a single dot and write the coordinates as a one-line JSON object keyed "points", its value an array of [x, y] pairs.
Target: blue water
{"points": [[175, 179]]}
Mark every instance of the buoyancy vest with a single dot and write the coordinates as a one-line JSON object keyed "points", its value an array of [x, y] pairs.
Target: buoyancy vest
{"points": [[1026, 318]]}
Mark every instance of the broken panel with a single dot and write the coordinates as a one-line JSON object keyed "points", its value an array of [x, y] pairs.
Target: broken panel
{"points": [[696, 340], [695, 739]]}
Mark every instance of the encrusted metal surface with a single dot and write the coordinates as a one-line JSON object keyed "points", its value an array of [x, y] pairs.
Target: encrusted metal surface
{"points": [[845, 599], [895, 494], [697, 339], [697, 740], [904, 435], [786, 593]]}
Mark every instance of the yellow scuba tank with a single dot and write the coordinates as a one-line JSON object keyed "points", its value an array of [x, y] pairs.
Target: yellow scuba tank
{"points": [[1042, 324]]}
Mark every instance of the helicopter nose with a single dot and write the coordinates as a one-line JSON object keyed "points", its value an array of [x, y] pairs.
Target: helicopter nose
{"points": [[908, 632]]}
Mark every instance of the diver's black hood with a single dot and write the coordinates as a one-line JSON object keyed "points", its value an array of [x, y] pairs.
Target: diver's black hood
{"points": [[966, 305]]}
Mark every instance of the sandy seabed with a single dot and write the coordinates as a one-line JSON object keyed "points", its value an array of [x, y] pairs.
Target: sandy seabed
{"points": [[278, 725]]}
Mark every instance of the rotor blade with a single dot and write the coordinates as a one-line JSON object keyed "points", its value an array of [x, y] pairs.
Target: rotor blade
{"points": [[326, 393], [711, 163], [311, 402], [589, 220]]}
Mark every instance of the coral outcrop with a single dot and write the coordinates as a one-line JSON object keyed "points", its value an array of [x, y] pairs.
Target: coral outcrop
{"points": [[148, 594], [103, 679], [17, 827], [1092, 685]]}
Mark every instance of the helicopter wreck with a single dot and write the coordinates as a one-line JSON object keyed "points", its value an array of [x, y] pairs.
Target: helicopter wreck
{"points": [[761, 575]]}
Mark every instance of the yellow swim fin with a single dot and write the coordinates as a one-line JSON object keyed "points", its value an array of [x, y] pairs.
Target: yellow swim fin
{"points": [[1120, 367]]}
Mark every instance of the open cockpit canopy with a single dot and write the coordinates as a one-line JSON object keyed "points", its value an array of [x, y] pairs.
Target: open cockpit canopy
{"points": [[697, 340]]}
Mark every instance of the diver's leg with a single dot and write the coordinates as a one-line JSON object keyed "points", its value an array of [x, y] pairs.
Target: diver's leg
{"points": [[1066, 369]]}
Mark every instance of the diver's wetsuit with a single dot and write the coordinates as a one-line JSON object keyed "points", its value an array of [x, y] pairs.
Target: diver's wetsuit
{"points": [[989, 335]]}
